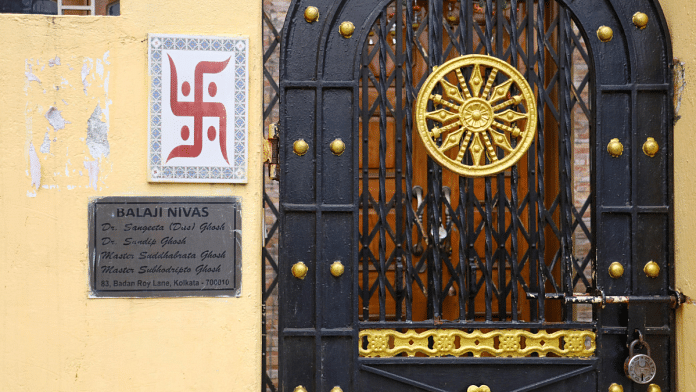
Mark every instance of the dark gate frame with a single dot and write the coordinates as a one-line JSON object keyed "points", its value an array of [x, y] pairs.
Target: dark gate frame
{"points": [[319, 209]]}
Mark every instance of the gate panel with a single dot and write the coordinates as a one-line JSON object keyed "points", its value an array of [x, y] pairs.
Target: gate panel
{"points": [[417, 377], [299, 170], [424, 250]]}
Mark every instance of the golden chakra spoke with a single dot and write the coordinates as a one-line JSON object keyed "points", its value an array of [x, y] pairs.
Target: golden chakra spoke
{"points": [[500, 140], [439, 131], [476, 150], [442, 116], [490, 149], [476, 81], [513, 101], [452, 139], [464, 147], [491, 79], [500, 92], [450, 91], [462, 83], [439, 101], [510, 115], [514, 132]]}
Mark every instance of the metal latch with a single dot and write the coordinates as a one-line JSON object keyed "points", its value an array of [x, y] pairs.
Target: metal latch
{"points": [[270, 152], [676, 298]]}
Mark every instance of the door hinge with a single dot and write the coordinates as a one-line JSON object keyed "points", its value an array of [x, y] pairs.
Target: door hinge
{"points": [[679, 297], [270, 152]]}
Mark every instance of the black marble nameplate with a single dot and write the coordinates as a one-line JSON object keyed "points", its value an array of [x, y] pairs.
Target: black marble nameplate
{"points": [[165, 246]]}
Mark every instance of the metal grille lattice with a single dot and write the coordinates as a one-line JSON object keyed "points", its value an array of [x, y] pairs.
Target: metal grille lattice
{"points": [[269, 266], [437, 247]]}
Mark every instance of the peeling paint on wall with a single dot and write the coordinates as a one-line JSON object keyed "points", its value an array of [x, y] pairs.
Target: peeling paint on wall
{"points": [[55, 118], [86, 67], [93, 172], [30, 75], [77, 96], [97, 135], [34, 167], [46, 145], [100, 68], [54, 61], [679, 85]]}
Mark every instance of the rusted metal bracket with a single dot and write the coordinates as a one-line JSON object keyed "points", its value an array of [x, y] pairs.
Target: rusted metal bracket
{"points": [[270, 152]]}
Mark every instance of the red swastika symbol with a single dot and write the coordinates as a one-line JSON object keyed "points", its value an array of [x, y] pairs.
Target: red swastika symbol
{"points": [[198, 109]]}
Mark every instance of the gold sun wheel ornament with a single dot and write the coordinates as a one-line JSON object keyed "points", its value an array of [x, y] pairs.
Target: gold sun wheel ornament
{"points": [[476, 125]]}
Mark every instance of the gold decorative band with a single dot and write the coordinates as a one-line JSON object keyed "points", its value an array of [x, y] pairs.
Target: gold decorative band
{"points": [[453, 342]]}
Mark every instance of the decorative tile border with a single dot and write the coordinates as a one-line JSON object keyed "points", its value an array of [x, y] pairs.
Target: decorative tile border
{"points": [[162, 130]]}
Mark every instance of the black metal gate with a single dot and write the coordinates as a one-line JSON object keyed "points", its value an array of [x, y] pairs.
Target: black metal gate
{"points": [[398, 274]]}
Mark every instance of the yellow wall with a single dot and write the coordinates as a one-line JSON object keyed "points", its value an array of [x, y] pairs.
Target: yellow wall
{"points": [[681, 15], [52, 336]]}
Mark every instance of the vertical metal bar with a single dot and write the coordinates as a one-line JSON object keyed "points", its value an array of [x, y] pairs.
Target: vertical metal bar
{"points": [[566, 180], [462, 266], [489, 27], [488, 219], [365, 238], [434, 170], [464, 208], [499, 29], [60, 7], [398, 124], [531, 175], [92, 7], [319, 228], [408, 131], [514, 180], [488, 227], [541, 37], [264, 335], [469, 186], [500, 258], [382, 35]]}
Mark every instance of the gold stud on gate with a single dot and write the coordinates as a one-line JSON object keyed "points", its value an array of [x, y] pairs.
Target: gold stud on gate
{"points": [[300, 147], [336, 389], [615, 388], [615, 148], [337, 269], [652, 270], [482, 388], [299, 388], [605, 33], [616, 270], [337, 147], [311, 14], [654, 388], [346, 29], [299, 270], [640, 19], [480, 125], [650, 147]]}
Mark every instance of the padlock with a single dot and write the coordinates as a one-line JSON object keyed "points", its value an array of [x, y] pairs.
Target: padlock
{"points": [[639, 367]]}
